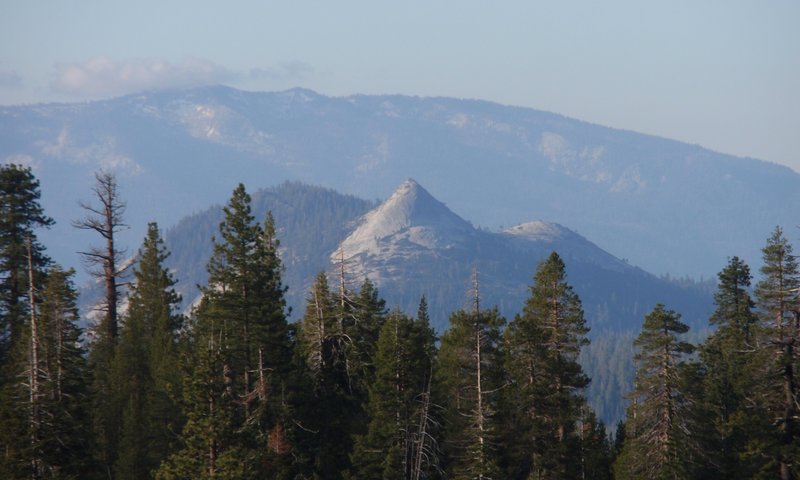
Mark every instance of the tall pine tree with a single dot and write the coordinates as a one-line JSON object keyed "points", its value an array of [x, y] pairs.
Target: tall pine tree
{"points": [[778, 295], [469, 374], [729, 358], [542, 360], [64, 405], [396, 435], [144, 372], [22, 364], [20, 215], [657, 437], [330, 410], [236, 417]]}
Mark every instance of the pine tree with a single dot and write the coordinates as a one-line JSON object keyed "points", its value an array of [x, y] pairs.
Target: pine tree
{"points": [[272, 424], [779, 306], [208, 445], [50, 395], [20, 215], [403, 364], [363, 329], [22, 362], [235, 396], [331, 409], [64, 408], [595, 455], [728, 358], [319, 331], [144, 375], [469, 374], [543, 347], [337, 342], [658, 429]]}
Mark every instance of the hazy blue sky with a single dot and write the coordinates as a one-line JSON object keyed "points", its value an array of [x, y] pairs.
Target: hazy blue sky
{"points": [[721, 73]]}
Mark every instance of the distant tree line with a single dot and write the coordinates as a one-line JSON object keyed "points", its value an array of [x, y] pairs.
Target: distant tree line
{"points": [[356, 390]]}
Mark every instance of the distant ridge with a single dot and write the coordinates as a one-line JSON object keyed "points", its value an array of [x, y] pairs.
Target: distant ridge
{"points": [[667, 206]]}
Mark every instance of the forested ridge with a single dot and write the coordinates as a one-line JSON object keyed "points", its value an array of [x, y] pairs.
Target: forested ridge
{"points": [[357, 389]]}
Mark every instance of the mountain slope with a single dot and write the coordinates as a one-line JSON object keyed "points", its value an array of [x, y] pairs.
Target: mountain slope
{"points": [[666, 206], [412, 244]]}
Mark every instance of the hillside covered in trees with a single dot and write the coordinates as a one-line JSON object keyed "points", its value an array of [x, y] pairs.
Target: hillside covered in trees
{"points": [[357, 388], [412, 244]]}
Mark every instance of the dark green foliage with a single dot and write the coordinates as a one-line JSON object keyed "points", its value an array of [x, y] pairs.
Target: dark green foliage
{"points": [[727, 380], [42, 368], [595, 450], [543, 344], [332, 410], [236, 418], [778, 295], [398, 434], [208, 449], [65, 433], [469, 375], [20, 215], [364, 328], [337, 344], [658, 429], [53, 441], [352, 392], [145, 378]]}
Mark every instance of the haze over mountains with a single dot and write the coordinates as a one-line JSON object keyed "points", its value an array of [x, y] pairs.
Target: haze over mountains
{"points": [[663, 205]]}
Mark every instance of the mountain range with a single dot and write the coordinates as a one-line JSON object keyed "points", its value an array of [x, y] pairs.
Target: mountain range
{"points": [[663, 205]]}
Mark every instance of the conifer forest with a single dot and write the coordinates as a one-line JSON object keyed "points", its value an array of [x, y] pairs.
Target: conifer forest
{"points": [[356, 388]]}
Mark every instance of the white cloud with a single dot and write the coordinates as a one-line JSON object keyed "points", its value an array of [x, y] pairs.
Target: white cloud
{"points": [[103, 76]]}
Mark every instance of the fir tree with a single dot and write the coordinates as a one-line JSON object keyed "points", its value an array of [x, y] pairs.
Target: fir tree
{"points": [[22, 362], [396, 432], [363, 328], [658, 428], [469, 374], [208, 445], [779, 306], [595, 455], [728, 358], [542, 358], [65, 433], [146, 380], [330, 412], [235, 395], [20, 215]]}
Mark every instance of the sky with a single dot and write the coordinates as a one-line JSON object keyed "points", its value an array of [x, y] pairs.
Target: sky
{"points": [[724, 74]]}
